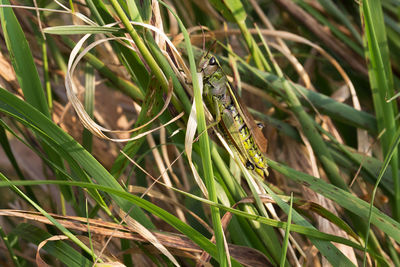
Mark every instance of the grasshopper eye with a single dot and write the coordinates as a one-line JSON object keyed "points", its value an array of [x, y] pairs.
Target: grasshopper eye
{"points": [[212, 61]]}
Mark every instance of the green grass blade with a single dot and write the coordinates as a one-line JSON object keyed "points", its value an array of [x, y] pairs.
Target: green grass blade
{"points": [[27, 74], [140, 45], [307, 124], [58, 249], [385, 165], [380, 74], [81, 29], [128, 58], [12, 255], [121, 84], [327, 249], [342, 16], [287, 233], [204, 148], [324, 20], [266, 237], [22, 111], [5, 144], [77, 173], [342, 198], [87, 136], [234, 10], [190, 232], [64, 230], [182, 227], [46, 74], [140, 10], [22, 59], [325, 105]]}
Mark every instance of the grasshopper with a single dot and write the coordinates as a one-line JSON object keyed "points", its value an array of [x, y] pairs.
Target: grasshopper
{"points": [[232, 118]]}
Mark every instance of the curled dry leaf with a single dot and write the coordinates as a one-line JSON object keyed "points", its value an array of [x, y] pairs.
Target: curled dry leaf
{"points": [[39, 261], [71, 89]]}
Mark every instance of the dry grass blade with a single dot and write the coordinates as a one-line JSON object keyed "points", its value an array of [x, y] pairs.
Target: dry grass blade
{"points": [[295, 154], [189, 137], [362, 135], [296, 64], [164, 174], [133, 66], [246, 256], [355, 61], [145, 233], [166, 158], [8, 74]]}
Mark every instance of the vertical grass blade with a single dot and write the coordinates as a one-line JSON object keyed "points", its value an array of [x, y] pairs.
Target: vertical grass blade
{"points": [[6, 241], [23, 111], [233, 10], [388, 159], [287, 233], [87, 136], [22, 60], [205, 148], [380, 75], [27, 74]]}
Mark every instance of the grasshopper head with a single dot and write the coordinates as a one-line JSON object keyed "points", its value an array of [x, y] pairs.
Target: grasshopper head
{"points": [[208, 65]]}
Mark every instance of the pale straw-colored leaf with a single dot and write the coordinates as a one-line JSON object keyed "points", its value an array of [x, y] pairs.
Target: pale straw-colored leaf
{"points": [[189, 137], [158, 23], [166, 157], [77, 14], [164, 174], [296, 64], [110, 264]]}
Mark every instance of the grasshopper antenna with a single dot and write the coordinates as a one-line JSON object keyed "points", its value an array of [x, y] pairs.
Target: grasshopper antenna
{"points": [[204, 41], [204, 37], [211, 47]]}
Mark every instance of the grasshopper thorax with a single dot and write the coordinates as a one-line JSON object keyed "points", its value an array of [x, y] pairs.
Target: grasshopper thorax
{"points": [[214, 80]]}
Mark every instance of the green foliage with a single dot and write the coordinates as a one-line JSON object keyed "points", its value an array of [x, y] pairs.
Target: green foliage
{"points": [[200, 189]]}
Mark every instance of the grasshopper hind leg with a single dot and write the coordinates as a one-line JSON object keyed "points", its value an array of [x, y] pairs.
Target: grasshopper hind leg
{"points": [[249, 165], [263, 172]]}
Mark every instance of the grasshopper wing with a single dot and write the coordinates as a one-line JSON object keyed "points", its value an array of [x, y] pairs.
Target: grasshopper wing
{"points": [[258, 136], [233, 135]]}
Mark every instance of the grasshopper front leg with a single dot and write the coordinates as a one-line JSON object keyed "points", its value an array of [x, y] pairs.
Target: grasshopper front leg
{"points": [[213, 106], [217, 112]]}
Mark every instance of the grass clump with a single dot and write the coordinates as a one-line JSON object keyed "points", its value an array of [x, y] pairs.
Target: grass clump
{"points": [[109, 151]]}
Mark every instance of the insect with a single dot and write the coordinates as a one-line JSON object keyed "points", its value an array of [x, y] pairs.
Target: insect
{"points": [[232, 118]]}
